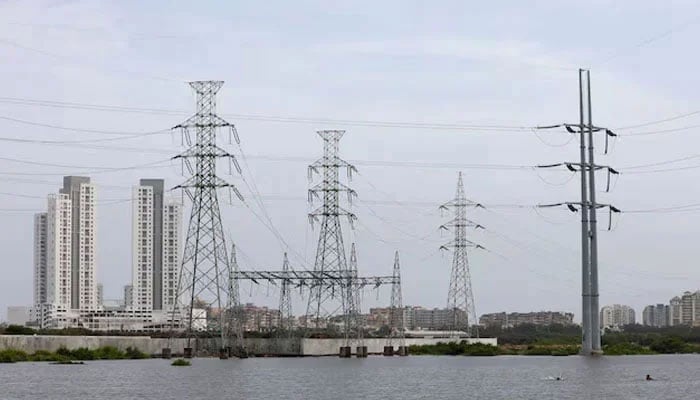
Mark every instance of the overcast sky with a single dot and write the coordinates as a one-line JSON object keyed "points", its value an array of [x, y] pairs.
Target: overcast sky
{"points": [[499, 63]]}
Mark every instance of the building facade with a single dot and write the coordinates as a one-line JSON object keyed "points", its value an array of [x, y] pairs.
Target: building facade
{"points": [[156, 244], [509, 320], [83, 253], [40, 259], [657, 315], [616, 316]]}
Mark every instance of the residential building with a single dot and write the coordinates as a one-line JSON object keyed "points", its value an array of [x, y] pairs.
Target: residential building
{"points": [[59, 251], [100, 295], [656, 315], [509, 320], [83, 248], [675, 312], [616, 316], [156, 243], [40, 263]]}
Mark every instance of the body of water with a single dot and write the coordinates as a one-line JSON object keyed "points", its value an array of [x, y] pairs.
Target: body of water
{"points": [[413, 377]]}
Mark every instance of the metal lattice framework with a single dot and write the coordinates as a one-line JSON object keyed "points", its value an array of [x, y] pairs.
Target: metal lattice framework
{"points": [[330, 254], [397, 324], [460, 298], [205, 289], [286, 317]]}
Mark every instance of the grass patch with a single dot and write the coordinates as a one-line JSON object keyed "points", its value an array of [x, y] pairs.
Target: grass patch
{"points": [[79, 354], [181, 362]]}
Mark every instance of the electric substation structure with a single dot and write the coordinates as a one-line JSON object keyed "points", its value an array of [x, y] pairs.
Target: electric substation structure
{"points": [[460, 297], [205, 293], [397, 323], [334, 285], [588, 206]]}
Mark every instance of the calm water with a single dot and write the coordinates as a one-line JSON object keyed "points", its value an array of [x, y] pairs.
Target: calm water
{"points": [[373, 378]]}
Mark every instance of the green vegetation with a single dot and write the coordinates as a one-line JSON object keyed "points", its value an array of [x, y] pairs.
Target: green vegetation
{"points": [[181, 363], [454, 349], [63, 355]]}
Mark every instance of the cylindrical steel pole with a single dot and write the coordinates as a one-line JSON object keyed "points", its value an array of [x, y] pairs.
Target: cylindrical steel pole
{"points": [[586, 345], [592, 221]]}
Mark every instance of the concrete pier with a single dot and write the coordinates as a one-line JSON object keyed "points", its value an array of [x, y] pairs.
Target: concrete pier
{"points": [[166, 353], [345, 352], [361, 352], [403, 351], [388, 351], [187, 352]]}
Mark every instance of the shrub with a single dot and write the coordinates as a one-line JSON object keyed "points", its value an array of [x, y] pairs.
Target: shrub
{"points": [[108, 353], [12, 356], [135, 354], [82, 353], [181, 363]]}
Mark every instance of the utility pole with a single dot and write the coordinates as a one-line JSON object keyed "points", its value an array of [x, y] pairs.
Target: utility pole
{"points": [[591, 341], [593, 229], [586, 345]]}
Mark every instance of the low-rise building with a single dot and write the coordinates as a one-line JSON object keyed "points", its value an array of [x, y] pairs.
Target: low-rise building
{"points": [[509, 320]]}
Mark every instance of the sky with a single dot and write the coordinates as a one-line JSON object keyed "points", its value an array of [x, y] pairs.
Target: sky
{"points": [[392, 74]]}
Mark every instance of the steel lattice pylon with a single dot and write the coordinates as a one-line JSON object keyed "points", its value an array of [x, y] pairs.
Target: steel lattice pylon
{"points": [[460, 298], [286, 317], [206, 292], [353, 293], [330, 254], [397, 325]]}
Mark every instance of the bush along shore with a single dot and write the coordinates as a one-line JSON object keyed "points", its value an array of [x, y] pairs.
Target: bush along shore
{"points": [[478, 349], [664, 345], [81, 354]]}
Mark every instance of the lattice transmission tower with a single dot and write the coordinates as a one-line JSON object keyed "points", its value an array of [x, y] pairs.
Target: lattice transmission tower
{"points": [[325, 300], [286, 327], [205, 289], [460, 297], [397, 324]]}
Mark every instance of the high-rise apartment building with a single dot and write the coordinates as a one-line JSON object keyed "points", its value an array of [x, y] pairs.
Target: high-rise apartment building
{"points": [[656, 315], [616, 316], [83, 242], [40, 253], [59, 233], [156, 225]]}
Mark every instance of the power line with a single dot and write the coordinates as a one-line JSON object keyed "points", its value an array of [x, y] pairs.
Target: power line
{"points": [[82, 130], [496, 128]]}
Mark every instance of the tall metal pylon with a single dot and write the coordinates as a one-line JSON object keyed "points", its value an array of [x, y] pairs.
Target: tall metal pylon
{"points": [[353, 317], [205, 285], [590, 343], [286, 326], [397, 324], [330, 253], [237, 315], [460, 297]]}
